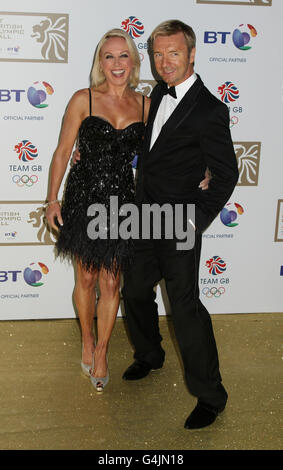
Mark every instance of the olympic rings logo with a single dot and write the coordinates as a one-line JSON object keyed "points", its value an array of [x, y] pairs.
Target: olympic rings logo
{"points": [[25, 180], [213, 292]]}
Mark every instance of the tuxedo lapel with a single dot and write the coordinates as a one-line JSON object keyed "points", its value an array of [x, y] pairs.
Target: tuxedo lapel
{"points": [[152, 113], [184, 108], [182, 111]]}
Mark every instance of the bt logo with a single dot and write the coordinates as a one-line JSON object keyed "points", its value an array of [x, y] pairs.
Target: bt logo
{"points": [[241, 36], [228, 217], [7, 95], [37, 95], [33, 277]]}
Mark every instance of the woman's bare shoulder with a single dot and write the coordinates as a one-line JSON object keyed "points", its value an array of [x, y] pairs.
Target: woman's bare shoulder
{"points": [[79, 102], [80, 96]]}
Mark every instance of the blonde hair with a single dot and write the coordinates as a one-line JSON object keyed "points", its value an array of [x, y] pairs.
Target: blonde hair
{"points": [[97, 76], [170, 27]]}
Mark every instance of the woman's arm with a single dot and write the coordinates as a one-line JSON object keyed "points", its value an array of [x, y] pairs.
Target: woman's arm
{"points": [[75, 113]]}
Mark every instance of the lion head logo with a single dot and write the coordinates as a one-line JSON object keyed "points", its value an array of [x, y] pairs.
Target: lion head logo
{"points": [[44, 234], [52, 33]]}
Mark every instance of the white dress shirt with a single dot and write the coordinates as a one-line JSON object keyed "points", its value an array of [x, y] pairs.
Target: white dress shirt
{"points": [[166, 108], [168, 105]]}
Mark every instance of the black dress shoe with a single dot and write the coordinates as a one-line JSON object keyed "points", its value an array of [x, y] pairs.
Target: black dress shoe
{"points": [[138, 370], [203, 415]]}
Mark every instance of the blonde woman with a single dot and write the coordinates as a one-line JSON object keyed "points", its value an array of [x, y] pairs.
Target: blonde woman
{"points": [[109, 120]]}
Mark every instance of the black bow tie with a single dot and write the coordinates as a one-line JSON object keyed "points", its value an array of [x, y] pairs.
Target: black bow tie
{"points": [[169, 91]]}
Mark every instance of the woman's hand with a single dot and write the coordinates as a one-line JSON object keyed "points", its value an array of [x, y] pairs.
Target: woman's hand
{"points": [[53, 212], [204, 184]]}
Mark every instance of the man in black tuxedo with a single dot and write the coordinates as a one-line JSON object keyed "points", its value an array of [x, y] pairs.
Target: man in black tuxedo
{"points": [[185, 135]]}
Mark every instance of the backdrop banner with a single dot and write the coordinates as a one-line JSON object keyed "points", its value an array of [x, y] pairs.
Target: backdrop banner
{"points": [[46, 54]]}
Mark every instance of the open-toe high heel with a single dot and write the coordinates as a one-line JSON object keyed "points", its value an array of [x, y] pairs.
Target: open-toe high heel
{"points": [[99, 383]]}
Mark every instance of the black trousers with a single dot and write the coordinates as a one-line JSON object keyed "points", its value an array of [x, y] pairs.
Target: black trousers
{"points": [[154, 260]]}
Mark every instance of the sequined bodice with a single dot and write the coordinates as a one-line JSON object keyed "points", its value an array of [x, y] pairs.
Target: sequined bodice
{"points": [[106, 159]]}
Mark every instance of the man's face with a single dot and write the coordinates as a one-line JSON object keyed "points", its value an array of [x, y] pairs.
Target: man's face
{"points": [[171, 58]]}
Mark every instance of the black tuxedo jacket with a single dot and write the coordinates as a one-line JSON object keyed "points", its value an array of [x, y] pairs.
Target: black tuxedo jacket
{"points": [[196, 136]]}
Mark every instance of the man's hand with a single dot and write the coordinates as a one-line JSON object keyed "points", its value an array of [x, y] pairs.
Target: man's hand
{"points": [[76, 156]]}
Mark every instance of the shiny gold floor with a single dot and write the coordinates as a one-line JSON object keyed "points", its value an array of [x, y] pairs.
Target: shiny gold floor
{"points": [[46, 403]]}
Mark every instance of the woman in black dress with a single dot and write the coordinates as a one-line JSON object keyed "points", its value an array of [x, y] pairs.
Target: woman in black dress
{"points": [[109, 120]]}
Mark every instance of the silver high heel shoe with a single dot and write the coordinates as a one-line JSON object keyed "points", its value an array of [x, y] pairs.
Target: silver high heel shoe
{"points": [[99, 383], [86, 368]]}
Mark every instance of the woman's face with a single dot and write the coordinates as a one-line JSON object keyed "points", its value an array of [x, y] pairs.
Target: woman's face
{"points": [[116, 61]]}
